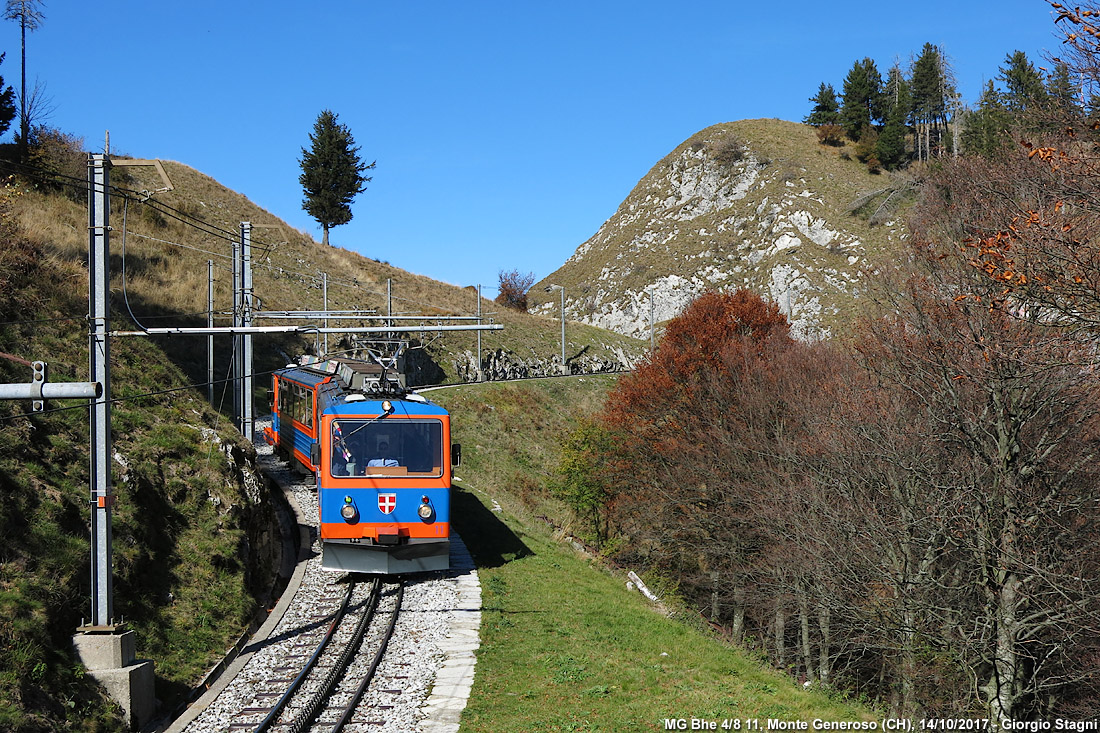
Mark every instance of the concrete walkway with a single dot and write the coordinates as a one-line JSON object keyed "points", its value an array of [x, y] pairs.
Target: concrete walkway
{"points": [[455, 677]]}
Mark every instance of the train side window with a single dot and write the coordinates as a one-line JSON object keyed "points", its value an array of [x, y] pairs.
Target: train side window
{"points": [[300, 407]]}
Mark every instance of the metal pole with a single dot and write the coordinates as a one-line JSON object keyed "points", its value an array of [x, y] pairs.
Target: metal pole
{"points": [[351, 316], [422, 327], [246, 338], [389, 300], [210, 324], [480, 374], [324, 294], [236, 351], [51, 391], [564, 369], [99, 362]]}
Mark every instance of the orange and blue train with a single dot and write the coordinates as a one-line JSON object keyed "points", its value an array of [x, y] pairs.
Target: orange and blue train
{"points": [[383, 461]]}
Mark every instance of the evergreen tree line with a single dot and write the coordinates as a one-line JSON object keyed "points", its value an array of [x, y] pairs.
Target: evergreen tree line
{"points": [[918, 114]]}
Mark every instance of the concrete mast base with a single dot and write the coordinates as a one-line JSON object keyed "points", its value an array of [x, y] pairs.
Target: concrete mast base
{"points": [[108, 653]]}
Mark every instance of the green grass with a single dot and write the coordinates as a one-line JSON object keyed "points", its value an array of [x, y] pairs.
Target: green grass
{"points": [[511, 433], [565, 646]]}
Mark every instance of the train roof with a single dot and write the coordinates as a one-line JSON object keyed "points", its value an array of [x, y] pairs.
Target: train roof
{"points": [[402, 406], [307, 377]]}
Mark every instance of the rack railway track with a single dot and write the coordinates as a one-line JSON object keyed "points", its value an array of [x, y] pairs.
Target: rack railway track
{"points": [[324, 692], [437, 637]]}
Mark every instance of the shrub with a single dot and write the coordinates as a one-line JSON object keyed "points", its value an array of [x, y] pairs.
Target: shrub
{"points": [[830, 135], [513, 289], [582, 481], [729, 151], [62, 154]]}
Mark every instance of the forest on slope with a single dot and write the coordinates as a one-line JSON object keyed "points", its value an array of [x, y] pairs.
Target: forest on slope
{"points": [[910, 513]]}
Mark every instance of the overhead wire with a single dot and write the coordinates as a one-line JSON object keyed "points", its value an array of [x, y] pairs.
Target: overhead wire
{"points": [[141, 197], [208, 228], [182, 246], [39, 321], [125, 293], [187, 219], [144, 395]]}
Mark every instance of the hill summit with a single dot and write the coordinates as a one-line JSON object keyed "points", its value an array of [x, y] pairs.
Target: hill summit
{"points": [[757, 204]]}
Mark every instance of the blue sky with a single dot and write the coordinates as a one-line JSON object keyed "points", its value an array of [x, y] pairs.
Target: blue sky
{"points": [[505, 133]]}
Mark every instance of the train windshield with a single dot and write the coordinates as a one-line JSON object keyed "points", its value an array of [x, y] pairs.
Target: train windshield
{"points": [[388, 447]]}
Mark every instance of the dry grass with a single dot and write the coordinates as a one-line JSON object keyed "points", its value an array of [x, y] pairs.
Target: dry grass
{"points": [[166, 266]]}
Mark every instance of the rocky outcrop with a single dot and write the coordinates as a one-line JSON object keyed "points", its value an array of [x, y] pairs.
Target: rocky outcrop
{"points": [[237, 490], [503, 364], [724, 211]]}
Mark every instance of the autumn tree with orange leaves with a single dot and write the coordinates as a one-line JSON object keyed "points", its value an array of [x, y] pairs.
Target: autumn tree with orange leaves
{"points": [[700, 434], [1030, 220], [680, 458], [915, 522]]}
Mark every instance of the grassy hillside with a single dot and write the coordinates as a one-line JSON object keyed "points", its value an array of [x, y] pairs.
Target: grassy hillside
{"points": [[188, 529], [564, 645], [168, 241]]}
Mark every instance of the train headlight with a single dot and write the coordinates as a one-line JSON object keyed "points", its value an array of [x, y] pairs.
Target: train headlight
{"points": [[425, 509], [348, 511]]}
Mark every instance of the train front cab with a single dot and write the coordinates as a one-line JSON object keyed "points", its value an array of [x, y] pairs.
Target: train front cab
{"points": [[384, 486]]}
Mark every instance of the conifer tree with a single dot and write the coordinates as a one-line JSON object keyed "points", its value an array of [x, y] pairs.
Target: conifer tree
{"points": [[897, 104], [1060, 89], [332, 173], [862, 93], [1024, 87], [930, 91], [826, 108], [30, 16], [897, 93], [985, 127], [1093, 106], [929, 100], [890, 146], [7, 103]]}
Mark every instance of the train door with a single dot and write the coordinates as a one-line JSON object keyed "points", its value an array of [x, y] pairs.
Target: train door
{"points": [[284, 401]]}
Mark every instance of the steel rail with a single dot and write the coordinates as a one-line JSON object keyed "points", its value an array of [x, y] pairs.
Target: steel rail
{"points": [[281, 703], [312, 709], [349, 709]]}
